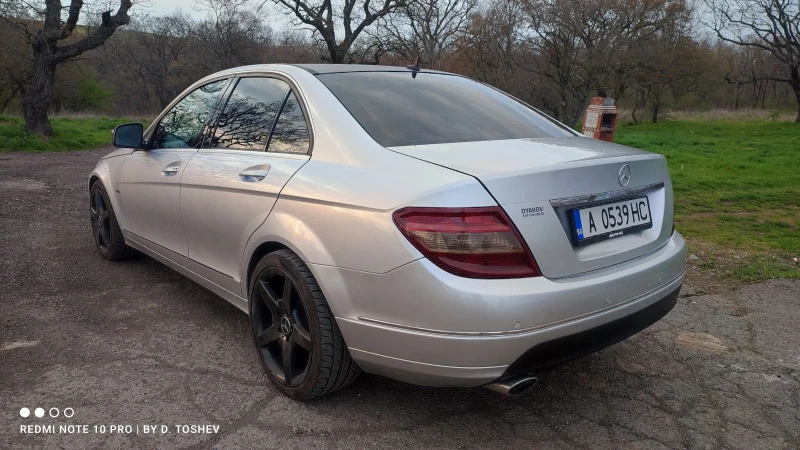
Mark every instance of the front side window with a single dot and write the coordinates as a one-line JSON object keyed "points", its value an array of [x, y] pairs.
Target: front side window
{"points": [[182, 126], [398, 109], [291, 131], [246, 120]]}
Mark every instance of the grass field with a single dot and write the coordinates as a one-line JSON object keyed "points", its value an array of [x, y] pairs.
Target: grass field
{"points": [[737, 192], [736, 182], [69, 133]]}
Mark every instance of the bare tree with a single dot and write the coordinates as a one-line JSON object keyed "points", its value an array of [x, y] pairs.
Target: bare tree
{"points": [[749, 66], [676, 69], [321, 17], [425, 28], [492, 44], [582, 45], [16, 63], [48, 54], [771, 25], [152, 50], [231, 35]]}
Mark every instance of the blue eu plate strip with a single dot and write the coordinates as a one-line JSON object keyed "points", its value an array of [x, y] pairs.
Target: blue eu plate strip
{"points": [[577, 215]]}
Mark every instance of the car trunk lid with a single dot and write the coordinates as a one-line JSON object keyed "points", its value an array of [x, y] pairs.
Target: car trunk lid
{"points": [[539, 182]]}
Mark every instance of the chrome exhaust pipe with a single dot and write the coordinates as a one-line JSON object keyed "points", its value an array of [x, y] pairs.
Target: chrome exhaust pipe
{"points": [[513, 385]]}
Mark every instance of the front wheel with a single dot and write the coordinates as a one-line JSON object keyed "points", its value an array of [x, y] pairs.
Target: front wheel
{"points": [[295, 334], [105, 228]]}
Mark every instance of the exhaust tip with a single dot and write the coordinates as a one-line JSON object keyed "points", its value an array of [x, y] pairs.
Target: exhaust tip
{"points": [[513, 385]]}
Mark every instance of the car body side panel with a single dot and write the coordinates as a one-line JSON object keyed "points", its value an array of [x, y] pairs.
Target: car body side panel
{"points": [[152, 197], [109, 170], [178, 262], [221, 211], [118, 152], [349, 225]]}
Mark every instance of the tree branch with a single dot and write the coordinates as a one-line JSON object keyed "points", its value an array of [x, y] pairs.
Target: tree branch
{"points": [[97, 37]]}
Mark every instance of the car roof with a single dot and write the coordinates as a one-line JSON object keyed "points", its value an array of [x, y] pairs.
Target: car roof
{"points": [[313, 69], [321, 69]]}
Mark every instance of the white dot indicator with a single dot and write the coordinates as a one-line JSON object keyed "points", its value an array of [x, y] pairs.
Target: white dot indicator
{"points": [[39, 412], [24, 412]]}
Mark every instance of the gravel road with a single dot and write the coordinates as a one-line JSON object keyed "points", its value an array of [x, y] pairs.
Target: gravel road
{"points": [[136, 344]]}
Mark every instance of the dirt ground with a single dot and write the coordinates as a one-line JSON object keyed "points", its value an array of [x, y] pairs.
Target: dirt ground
{"points": [[134, 344]]}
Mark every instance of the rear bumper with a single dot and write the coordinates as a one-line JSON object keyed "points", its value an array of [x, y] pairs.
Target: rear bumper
{"points": [[461, 332], [551, 354], [537, 351]]}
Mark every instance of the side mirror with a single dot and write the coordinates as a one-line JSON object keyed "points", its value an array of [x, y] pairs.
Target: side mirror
{"points": [[128, 135]]}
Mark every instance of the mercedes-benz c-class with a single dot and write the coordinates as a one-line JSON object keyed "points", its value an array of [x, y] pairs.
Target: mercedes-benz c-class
{"points": [[409, 223]]}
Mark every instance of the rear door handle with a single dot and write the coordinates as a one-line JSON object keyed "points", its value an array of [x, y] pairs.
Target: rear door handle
{"points": [[253, 175], [171, 169]]}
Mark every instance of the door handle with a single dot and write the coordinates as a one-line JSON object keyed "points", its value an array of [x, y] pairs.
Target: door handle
{"points": [[253, 175], [171, 169]]}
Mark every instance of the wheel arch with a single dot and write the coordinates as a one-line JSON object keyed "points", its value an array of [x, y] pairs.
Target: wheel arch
{"points": [[92, 180], [262, 250], [107, 172], [283, 229]]}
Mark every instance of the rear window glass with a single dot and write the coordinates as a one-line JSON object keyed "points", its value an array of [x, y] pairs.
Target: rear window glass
{"points": [[291, 131], [247, 119], [397, 109]]}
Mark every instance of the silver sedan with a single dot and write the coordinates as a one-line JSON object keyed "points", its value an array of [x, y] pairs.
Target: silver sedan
{"points": [[408, 223]]}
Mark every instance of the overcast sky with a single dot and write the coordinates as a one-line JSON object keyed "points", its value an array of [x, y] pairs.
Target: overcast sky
{"points": [[273, 15], [160, 8]]}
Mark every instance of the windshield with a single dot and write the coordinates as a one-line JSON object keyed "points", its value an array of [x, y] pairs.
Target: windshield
{"points": [[397, 109]]}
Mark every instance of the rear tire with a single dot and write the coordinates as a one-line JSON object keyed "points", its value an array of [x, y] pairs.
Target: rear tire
{"points": [[297, 340], [106, 230]]}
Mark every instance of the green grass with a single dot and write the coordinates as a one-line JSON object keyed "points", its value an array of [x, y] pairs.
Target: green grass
{"points": [[69, 133], [737, 191]]}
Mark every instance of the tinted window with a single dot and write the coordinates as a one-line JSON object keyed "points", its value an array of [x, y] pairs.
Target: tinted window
{"points": [[397, 109], [248, 115], [291, 131], [182, 126]]}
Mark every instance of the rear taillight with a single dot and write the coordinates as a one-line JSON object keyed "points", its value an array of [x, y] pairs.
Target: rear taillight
{"points": [[469, 242]]}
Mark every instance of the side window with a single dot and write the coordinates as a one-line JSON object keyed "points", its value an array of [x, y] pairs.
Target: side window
{"points": [[182, 126], [248, 115], [291, 130]]}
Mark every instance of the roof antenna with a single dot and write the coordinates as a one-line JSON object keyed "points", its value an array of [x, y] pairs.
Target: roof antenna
{"points": [[414, 68]]}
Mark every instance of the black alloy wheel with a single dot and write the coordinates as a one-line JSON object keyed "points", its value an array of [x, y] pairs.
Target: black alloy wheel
{"points": [[101, 224], [105, 228], [281, 327], [294, 331]]}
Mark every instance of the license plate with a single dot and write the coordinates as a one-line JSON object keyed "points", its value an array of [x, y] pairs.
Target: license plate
{"points": [[610, 220]]}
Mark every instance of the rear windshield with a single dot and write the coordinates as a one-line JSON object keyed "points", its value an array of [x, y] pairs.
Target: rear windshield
{"points": [[397, 109]]}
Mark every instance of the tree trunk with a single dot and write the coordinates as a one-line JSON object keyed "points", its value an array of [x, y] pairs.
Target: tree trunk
{"points": [[797, 94], [636, 103], [656, 107], [38, 93], [336, 57], [633, 114], [794, 77], [335, 51]]}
